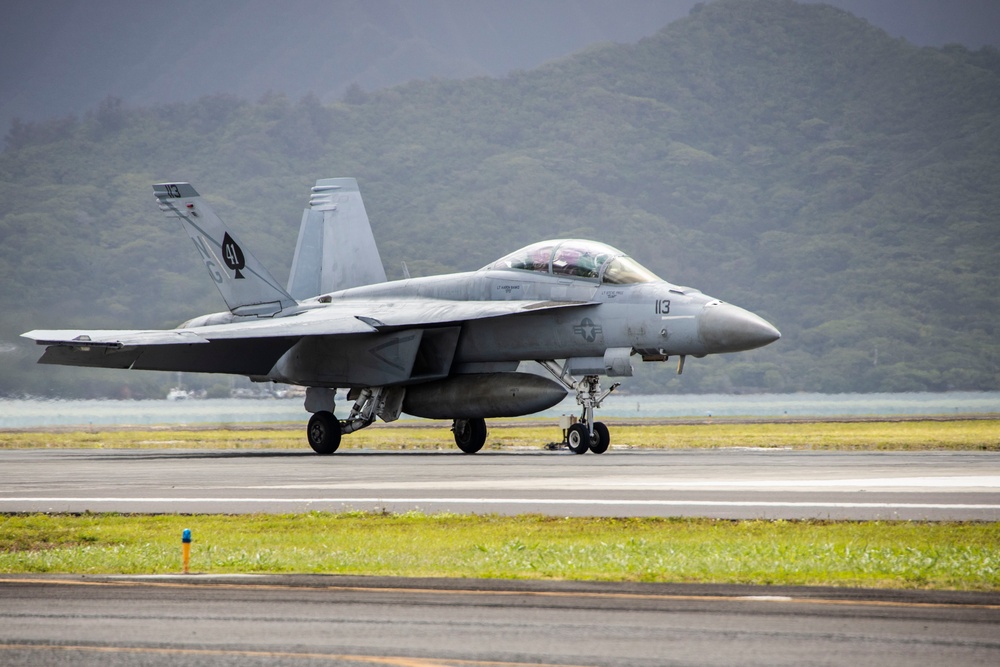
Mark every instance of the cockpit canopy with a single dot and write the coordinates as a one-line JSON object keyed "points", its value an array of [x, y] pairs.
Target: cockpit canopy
{"points": [[580, 259]]}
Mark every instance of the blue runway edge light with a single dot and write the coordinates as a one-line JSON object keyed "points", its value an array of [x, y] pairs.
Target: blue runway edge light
{"points": [[186, 536]]}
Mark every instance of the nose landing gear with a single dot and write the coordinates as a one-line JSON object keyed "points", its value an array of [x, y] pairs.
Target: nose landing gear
{"points": [[585, 435]]}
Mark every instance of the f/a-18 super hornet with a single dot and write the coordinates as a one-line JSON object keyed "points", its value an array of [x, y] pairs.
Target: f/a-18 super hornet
{"points": [[513, 338]]}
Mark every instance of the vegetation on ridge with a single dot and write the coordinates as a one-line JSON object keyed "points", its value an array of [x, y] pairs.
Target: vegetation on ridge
{"points": [[788, 158]]}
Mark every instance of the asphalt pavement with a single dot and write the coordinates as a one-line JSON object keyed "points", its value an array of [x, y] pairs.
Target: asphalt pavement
{"points": [[271, 620], [726, 483], [299, 620]]}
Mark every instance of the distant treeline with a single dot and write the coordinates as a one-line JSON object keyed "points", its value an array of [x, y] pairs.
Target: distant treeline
{"points": [[788, 158]]}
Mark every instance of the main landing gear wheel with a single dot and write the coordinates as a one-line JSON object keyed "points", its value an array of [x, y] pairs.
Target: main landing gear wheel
{"points": [[601, 440], [578, 438], [324, 432], [470, 434]]}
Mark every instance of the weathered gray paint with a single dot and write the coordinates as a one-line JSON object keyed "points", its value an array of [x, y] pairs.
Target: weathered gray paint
{"points": [[438, 346]]}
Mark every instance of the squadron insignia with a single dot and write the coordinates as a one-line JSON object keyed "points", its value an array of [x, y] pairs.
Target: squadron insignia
{"points": [[233, 255]]}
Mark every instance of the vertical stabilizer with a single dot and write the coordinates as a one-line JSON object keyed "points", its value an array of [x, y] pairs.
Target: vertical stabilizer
{"points": [[247, 287], [336, 249]]}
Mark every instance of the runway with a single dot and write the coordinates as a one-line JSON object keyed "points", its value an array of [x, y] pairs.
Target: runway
{"points": [[308, 620], [313, 620], [716, 483]]}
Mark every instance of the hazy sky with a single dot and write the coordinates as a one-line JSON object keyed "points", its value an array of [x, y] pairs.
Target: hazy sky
{"points": [[64, 56]]}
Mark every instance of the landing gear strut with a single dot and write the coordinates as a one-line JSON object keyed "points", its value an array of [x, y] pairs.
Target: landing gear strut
{"points": [[586, 434]]}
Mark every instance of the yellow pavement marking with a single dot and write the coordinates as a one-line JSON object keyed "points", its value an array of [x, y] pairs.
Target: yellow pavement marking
{"points": [[394, 661]]}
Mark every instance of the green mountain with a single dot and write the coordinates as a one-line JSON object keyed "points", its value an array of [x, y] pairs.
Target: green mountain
{"points": [[789, 158]]}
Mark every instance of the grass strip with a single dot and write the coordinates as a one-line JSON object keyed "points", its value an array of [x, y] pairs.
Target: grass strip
{"points": [[961, 435], [933, 555]]}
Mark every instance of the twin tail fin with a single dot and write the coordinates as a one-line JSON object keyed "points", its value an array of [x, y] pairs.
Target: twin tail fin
{"points": [[246, 286], [336, 249]]}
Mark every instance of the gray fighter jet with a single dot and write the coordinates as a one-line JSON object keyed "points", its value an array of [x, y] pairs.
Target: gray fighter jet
{"points": [[510, 339]]}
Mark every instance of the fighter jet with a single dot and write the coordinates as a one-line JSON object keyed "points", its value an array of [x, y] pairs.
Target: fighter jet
{"points": [[513, 338]]}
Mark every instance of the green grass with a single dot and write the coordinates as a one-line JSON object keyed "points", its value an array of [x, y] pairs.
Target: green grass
{"points": [[866, 554], [177, 437], [882, 435], [964, 556]]}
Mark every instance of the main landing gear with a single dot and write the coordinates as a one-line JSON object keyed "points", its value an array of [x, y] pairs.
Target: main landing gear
{"points": [[325, 430], [586, 434], [470, 434]]}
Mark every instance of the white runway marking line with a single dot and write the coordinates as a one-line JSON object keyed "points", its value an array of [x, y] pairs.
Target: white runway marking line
{"points": [[954, 482], [985, 482], [515, 501]]}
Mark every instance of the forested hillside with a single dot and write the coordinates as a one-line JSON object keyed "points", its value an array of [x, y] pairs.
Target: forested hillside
{"points": [[788, 158]]}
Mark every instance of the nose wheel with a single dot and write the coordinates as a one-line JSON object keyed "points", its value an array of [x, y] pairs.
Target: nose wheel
{"points": [[601, 439], [580, 440]]}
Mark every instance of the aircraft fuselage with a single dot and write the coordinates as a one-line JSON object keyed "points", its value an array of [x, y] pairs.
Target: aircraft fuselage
{"points": [[447, 346], [656, 319]]}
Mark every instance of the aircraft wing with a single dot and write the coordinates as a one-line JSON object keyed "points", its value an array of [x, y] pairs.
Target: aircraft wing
{"points": [[411, 312], [251, 347], [338, 319], [112, 337], [284, 327]]}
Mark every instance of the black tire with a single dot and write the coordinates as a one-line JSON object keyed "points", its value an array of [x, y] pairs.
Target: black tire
{"points": [[578, 438], [602, 438], [470, 434], [323, 432]]}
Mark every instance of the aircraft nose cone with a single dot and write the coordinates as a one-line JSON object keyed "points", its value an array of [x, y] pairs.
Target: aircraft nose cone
{"points": [[723, 327]]}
